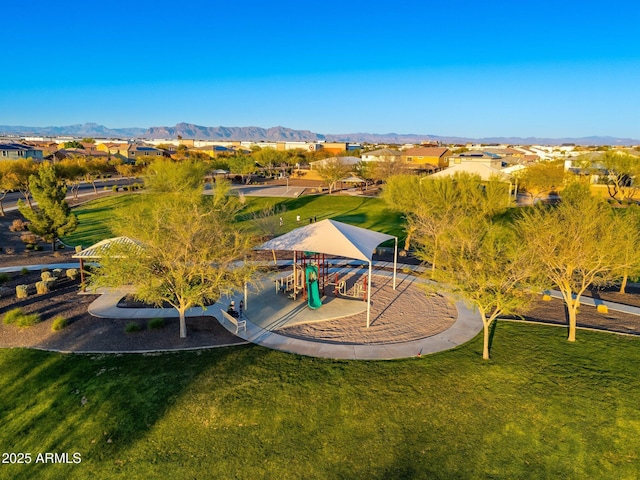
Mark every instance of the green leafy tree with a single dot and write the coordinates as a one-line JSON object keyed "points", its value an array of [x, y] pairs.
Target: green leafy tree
{"points": [[541, 178], [73, 171], [403, 194], [51, 218], [457, 227], [243, 165], [166, 176], [73, 144], [21, 172], [332, 170], [432, 205], [623, 179], [269, 159], [96, 168], [626, 233], [385, 168], [482, 262], [571, 245], [190, 249], [7, 183]]}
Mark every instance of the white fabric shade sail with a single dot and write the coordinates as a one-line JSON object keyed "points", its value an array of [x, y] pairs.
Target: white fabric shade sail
{"points": [[331, 237]]}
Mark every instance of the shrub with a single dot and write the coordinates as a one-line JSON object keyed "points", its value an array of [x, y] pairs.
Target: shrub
{"points": [[132, 327], [29, 320], [78, 248], [29, 238], [11, 316], [114, 188], [72, 273], [58, 323], [24, 271], [22, 291], [44, 269], [57, 272], [46, 275], [18, 226], [4, 277], [155, 323], [38, 248], [19, 318], [42, 287], [29, 246]]}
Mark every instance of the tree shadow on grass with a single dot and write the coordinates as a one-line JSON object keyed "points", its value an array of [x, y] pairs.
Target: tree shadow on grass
{"points": [[96, 405], [492, 331]]}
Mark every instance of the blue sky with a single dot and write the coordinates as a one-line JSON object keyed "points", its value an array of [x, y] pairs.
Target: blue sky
{"points": [[455, 68]]}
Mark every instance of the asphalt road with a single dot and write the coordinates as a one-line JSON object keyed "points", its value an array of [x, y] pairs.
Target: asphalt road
{"points": [[11, 200]]}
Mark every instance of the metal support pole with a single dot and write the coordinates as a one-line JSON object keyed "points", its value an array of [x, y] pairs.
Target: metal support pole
{"points": [[369, 297], [395, 263]]}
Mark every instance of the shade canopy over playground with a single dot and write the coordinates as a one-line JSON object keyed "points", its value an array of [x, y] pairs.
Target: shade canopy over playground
{"points": [[331, 237]]}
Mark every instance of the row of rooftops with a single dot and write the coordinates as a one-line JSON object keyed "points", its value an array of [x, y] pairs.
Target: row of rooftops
{"points": [[130, 150]]}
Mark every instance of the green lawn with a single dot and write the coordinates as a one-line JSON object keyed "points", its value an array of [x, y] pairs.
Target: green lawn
{"points": [[369, 213], [93, 218], [541, 408]]}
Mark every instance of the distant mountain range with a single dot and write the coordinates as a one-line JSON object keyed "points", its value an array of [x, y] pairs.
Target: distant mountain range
{"points": [[257, 134]]}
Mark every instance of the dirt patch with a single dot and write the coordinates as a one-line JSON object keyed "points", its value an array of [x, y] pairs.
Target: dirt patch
{"points": [[612, 294], [86, 333], [553, 312]]}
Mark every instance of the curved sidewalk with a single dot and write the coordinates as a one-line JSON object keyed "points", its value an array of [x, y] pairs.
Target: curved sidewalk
{"points": [[466, 327]]}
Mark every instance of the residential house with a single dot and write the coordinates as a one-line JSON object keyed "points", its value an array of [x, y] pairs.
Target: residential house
{"points": [[115, 149], [64, 153], [143, 153], [484, 164], [382, 155], [213, 150], [17, 151], [426, 158], [330, 160], [489, 159]]}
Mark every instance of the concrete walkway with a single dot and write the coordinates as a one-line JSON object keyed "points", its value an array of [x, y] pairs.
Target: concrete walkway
{"points": [[269, 313], [616, 307], [466, 327]]}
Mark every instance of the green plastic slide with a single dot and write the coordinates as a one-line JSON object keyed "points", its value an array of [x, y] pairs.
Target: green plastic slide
{"points": [[313, 293]]}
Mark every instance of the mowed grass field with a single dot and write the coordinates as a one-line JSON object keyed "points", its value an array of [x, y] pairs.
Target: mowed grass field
{"points": [[369, 213], [540, 408], [93, 220]]}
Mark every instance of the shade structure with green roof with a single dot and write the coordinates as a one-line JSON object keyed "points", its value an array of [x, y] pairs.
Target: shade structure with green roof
{"points": [[331, 237]]}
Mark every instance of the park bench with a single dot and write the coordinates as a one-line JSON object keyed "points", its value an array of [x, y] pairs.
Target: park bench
{"points": [[235, 321]]}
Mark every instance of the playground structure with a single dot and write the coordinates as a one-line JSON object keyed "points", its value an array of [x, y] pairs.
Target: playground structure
{"points": [[311, 276], [336, 239]]}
